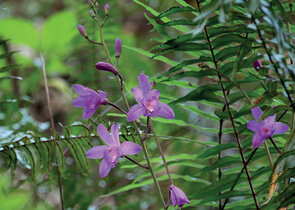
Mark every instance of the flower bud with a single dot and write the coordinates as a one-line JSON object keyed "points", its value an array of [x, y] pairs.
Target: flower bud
{"points": [[106, 9], [82, 31], [103, 66], [91, 13], [118, 47], [257, 65], [96, 4], [90, 3], [153, 85]]}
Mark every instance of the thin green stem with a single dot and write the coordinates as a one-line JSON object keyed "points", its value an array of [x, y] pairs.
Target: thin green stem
{"points": [[274, 144], [268, 155], [117, 107], [161, 152], [147, 128], [135, 162]]}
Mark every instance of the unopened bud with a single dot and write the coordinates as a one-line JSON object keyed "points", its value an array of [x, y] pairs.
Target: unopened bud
{"points": [[90, 3], [103, 66], [91, 13], [257, 65], [82, 31], [96, 4], [153, 85], [106, 9], [118, 47]]}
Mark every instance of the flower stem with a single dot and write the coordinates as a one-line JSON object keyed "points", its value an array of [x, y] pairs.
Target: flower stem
{"points": [[147, 128], [117, 107], [161, 152], [272, 141], [135, 162], [268, 155], [93, 42]]}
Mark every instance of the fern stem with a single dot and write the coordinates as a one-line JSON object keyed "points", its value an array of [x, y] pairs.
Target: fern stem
{"points": [[272, 62], [237, 179], [147, 128], [161, 152], [230, 115], [52, 131], [134, 123]]}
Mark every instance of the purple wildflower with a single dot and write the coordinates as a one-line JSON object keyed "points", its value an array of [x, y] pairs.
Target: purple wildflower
{"points": [[118, 47], [89, 99], [103, 66], [257, 65], [177, 196], [106, 8], [264, 129], [82, 31], [113, 151], [148, 100]]}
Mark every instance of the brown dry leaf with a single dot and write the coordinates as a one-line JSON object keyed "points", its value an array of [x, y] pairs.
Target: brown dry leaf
{"points": [[272, 186], [284, 208]]}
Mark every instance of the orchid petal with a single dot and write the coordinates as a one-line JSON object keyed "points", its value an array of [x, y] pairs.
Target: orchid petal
{"points": [[130, 148], [105, 135], [80, 101], [280, 128], [257, 140], [166, 111], [96, 152], [115, 134], [88, 112], [102, 95], [104, 168], [144, 84], [269, 120], [81, 90], [137, 93], [253, 125], [135, 112], [154, 94], [256, 112]]}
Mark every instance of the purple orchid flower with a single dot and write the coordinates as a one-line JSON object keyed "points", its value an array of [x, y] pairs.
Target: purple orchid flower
{"points": [[264, 129], [257, 65], [148, 100], [177, 196], [113, 151], [89, 100]]}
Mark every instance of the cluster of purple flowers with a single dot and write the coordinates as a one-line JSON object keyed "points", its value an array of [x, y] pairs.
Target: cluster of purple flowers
{"points": [[148, 106]]}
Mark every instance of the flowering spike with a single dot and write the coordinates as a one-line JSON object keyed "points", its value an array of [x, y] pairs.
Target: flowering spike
{"points": [[106, 9], [177, 196], [113, 151], [82, 31], [118, 47], [89, 100], [257, 65], [148, 100], [264, 129], [103, 66]]}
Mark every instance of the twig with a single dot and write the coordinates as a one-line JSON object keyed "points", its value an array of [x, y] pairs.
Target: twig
{"points": [[230, 115], [52, 130]]}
